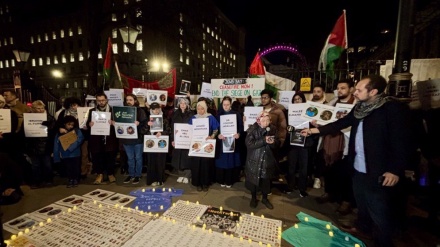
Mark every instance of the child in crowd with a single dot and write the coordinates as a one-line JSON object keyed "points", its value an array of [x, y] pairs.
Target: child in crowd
{"points": [[71, 156]]}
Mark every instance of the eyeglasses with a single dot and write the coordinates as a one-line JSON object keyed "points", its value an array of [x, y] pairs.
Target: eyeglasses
{"points": [[264, 97]]}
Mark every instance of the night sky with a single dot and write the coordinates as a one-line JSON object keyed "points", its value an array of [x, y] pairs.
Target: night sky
{"points": [[307, 24]]}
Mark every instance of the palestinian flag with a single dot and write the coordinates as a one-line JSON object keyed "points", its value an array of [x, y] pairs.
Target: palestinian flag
{"points": [[108, 60], [335, 44]]}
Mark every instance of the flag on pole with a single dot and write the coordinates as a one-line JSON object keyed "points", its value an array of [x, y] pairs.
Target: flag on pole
{"points": [[256, 67], [108, 60], [335, 44]]}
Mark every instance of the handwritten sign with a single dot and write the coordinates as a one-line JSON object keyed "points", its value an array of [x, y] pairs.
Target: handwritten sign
{"points": [[239, 88]]}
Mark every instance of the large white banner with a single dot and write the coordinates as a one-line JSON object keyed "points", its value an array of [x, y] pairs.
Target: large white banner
{"points": [[239, 88]]}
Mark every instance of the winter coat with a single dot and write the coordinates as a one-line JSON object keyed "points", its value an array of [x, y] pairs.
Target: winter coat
{"points": [[98, 143], [42, 145], [74, 150], [260, 160]]}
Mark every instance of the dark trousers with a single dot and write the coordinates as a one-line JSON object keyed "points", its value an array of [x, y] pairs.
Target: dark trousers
{"points": [[202, 171], [227, 176], [298, 157], [374, 208], [104, 162], [338, 181], [73, 167], [156, 168]]}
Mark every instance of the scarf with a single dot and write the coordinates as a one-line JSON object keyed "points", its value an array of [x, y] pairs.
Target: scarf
{"points": [[104, 109], [71, 112], [362, 109]]}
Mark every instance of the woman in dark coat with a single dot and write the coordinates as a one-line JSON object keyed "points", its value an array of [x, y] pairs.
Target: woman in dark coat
{"points": [[261, 163], [179, 159]]}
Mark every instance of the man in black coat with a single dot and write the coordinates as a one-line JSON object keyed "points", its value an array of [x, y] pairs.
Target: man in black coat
{"points": [[379, 151]]}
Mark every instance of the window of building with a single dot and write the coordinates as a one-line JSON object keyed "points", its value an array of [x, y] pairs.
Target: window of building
{"points": [[139, 28], [72, 57], [1, 64], [6, 64], [216, 54], [47, 60], [187, 60], [80, 56], [180, 17], [181, 57], [100, 54], [38, 38], [126, 2], [11, 40], [139, 45], [114, 18], [204, 36], [203, 67], [62, 33], [63, 59], [187, 47], [88, 54], [126, 49], [54, 35], [181, 44], [208, 30], [40, 61], [70, 32], [203, 57], [204, 46], [80, 31], [114, 33], [32, 39], [12, 63], [55, 60], [115, 48], [46, 37], [138, 12], [33, 62], [181, 31]]}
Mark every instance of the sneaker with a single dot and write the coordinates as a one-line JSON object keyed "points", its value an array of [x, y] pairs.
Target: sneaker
{"points": [[228, 186], [288, 191], [317, 183], [205, 188], [128, 179], [267, 203], [75, 183], [98, 179], [199, 188], [111, 178], [303, 194], [185, 181], [135, 180], [222, 185], [70, 184], [180, 179]]}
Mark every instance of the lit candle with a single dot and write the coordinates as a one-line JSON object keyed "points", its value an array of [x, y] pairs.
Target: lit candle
{"points": [[327, 226], [100, 206], [330, 233], [169, 190], [232, 235], [137, 208], [41, 224], [20, 233], [268, 245], [241, 238], [69, 210], [187, 202], [143, 190], [49, 220], [161, 207], [221, 208], [129, 209], [260, 243], [241, 217], [26, 230], [252, 213], [94, 201], [197, 202], [232, 213], [296, 225], [210, 230], [262, 216], [75, 207], [193, 227], [13, 237], [153, 190], [204, 226], [306, 218], [357, 245], [163, 189], [174, 204], [142, 212], [250, 240], [224, 234], [174, 221]]}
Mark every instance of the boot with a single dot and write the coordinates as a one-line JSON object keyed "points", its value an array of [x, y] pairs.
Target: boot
{"points": [[98, 179], [344, 208], [267, 203], [111, 178], [253, 203]]}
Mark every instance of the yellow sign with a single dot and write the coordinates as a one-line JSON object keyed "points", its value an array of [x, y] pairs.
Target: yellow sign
{"points": [[306, 84]]}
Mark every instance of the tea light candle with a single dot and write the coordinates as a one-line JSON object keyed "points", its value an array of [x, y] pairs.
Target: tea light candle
{"points": [[210, 230], [187, 202], [262, 216], [232, 235], [41, 224], [250, 240], [260, 243], [143, 190], [306, 218], [161, 207], [26, 230], [197, 202], [154, 190], [174, 204], [69, 210], [221, 208], [252, 213], [330, 233], [232, 213], [169, 190], [13, 237], [100, 206], [137, 208], [327, 226], [224, 234], [163, 189], [94, 201], [241, 238], [20, 233], [49, 220]]}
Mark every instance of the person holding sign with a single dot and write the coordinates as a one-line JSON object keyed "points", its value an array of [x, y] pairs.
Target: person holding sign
{"points": [[69, 155], [228, 162], [103, 148], [179, 159], [261, 162], [202, 168], [40, 149], [156, 166]]}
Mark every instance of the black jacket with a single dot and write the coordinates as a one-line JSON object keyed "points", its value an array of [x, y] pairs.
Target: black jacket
{"points": [[260, 160]]}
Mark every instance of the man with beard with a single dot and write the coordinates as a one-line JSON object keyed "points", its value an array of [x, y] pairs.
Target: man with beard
{"points": [[333, 153], [379, 150], [318, 94], [103, 149], [276, 112]]}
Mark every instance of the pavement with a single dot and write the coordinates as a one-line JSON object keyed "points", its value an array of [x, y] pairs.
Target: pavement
{"points": [[237, 198]]}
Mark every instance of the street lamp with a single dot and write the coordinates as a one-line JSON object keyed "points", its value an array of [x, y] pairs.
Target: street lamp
{"points": [[21, 57], [129, 35]]}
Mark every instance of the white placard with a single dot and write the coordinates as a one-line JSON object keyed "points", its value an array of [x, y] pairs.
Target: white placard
{"points": [[101, 125], [32, 123], [321, 113], [73, 200], [158, 96], [83, 114], [294, 115], [341, 110], [126, 130], [5, 120], [19, 224], [429, 93], [206, 90], [239, 88], [50, 211], [182, 135], [140, 91], [251, 113], [228, 124], [153, 144], [200, 127], [285, 98], [200, 147], [115, 96], [157, 121]]}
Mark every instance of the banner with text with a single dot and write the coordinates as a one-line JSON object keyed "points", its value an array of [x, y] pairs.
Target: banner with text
{"points": [[238, 88]]}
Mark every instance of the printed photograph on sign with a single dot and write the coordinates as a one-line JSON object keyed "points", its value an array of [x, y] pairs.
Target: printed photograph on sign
{"points": [[185, 87]]}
